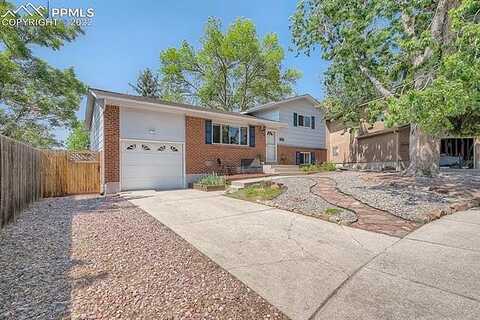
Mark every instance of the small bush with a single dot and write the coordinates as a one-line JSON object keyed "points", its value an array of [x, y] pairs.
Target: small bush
{"points": [[260, 191], [332, 211], [212, 180], [326, 166], [309, 168]]}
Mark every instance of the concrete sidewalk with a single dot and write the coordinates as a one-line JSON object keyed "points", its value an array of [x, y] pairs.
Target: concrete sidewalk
{"points": [[433, 273], [310, 268]]}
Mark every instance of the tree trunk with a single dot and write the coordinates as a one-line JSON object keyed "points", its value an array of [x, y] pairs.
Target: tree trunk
{"points": [[424, 153]]}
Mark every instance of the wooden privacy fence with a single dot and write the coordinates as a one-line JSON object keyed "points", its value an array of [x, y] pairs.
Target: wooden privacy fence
{"points": [[20, 177], [28, 174], [65, 172]]}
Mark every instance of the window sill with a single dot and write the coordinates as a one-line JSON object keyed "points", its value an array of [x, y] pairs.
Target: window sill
{"points": [[229, 145]]}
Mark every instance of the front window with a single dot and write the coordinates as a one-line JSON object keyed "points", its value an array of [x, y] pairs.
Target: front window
{"points": [[225, 130], [307, 122], [216, 133], [305, 158], [234, 135], [300, 121], [244, 136], [227, 134]]}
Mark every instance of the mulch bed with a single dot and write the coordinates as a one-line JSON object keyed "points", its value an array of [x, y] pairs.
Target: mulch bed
{"points": [[103, 258]]}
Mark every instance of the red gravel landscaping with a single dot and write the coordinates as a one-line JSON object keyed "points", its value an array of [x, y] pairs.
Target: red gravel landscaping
{"points": [[103, 258]]}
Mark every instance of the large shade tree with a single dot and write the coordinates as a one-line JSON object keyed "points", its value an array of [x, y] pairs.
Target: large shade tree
{"points": [[232, 70], [411, 61], [35, 97]]}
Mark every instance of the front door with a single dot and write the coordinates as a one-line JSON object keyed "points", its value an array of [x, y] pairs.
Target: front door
{"points": [[271, 146]]}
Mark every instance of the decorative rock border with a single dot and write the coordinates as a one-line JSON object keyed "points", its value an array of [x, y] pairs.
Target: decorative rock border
{"points": [[454, 207]]}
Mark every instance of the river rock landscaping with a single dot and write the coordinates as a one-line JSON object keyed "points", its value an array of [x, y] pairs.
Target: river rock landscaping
{"points": [[298, 198], [103, 258], [412, 198]]}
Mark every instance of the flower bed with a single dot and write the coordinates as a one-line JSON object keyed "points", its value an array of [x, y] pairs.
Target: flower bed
{"points": [[211, 182]]}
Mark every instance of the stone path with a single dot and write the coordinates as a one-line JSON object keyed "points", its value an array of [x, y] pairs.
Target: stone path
{"points": [[369, 218]]}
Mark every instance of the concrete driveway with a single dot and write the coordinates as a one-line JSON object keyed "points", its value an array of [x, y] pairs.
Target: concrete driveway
{"points": [[312, 269]]}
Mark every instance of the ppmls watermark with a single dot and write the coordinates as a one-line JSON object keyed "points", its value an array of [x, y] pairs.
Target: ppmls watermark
{"points": [[29, 14]]}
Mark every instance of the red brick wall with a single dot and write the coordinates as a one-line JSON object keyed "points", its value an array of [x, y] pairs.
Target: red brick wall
{"points": [[198, 154], [287, 154], [111, 131]]}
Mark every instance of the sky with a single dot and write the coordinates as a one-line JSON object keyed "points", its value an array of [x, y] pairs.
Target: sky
{"points": [[127, 36]]}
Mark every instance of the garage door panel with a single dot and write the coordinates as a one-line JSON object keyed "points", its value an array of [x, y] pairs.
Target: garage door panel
{"points": [[165, 183], [152, 165], [140, 159], [151, 171]]}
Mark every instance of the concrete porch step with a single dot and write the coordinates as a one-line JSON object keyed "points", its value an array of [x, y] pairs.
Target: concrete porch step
{"points": [[282, 169], [240, 184]]}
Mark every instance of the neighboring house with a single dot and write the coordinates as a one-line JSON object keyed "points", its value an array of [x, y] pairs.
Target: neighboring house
{"points": [[303, 140], [148, 143], [376, 147]]}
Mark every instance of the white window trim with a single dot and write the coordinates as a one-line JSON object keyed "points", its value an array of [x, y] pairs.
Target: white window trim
{"points": [[309, 157], [304, 117], [231, 126]]}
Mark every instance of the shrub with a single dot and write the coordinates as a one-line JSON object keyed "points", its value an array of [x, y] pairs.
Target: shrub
{"points": [[326, 166], [259, 191], [332, 211], [309, 167], [212, 180]]}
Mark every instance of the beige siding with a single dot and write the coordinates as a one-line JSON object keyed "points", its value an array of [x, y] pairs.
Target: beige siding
{"points": [[371, 145], [380, 148], [341, 144]]}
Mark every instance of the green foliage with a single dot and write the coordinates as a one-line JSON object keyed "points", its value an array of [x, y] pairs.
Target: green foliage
{"points": [[148, 84], [388, 58], [34, 96], [79, 139], [212, 180], [332, 211], [325, 166], [451, 103], [233, 70], [260, 191]]}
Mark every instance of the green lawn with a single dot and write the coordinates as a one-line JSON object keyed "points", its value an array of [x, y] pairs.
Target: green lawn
{"points": [[257, 192]]}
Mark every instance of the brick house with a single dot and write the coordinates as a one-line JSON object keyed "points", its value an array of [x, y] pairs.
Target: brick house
{"points": [[146, 143]]}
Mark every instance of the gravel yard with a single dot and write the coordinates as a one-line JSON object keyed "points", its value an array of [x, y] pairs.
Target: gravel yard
{"points": [[409, 198], [103, 258], [297, 198]]}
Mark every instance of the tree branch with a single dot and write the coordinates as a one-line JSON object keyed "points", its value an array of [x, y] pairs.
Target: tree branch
{"points": [[436, 27], [408, 23], [376, 83]]}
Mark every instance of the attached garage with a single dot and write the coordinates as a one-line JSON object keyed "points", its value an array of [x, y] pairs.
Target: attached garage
{"points": [[151, 165]]}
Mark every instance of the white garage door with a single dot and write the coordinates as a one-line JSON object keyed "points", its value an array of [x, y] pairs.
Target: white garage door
{"points": [[151, 165]]}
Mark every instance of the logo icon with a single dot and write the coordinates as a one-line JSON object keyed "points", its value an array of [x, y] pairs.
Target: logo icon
{"points": [[29, 8]]}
